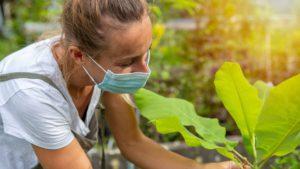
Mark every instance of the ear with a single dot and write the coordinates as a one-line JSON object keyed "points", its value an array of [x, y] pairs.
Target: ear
{"points": [[76, 54]]}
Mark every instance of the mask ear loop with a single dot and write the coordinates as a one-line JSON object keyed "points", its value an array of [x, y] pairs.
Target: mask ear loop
{"points": [[87, 72], [90, 76], [96, 63]]}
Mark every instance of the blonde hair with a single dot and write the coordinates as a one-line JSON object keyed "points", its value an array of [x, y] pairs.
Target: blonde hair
{"points": [[128, 100]]}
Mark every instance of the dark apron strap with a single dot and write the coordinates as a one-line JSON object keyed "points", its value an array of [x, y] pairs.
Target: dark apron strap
{"points": [[102, 138], [27, 75]]}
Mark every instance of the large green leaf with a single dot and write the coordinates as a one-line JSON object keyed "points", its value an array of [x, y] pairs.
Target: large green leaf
{"points": [[278, 127], [173, 115], [241, 100], [263, 89]]}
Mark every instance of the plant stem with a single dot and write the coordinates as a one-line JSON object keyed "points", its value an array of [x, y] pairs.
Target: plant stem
{"points": [[241, 158], [256, 166], [254, 149]]}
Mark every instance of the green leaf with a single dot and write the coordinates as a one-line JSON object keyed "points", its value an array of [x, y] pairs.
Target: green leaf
{"points": [[171, 115], [263, 89], [241, 100], [278, 127]]}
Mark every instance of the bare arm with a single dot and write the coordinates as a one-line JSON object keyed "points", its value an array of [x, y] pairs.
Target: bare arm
{"points": [[71, 156], [138, 148]]}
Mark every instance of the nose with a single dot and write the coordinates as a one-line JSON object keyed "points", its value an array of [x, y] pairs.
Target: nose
{"points": [[142, 66], [145, 67]]}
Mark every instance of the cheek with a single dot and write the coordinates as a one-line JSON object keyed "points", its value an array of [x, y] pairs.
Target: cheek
{"points": [[121, 70]]}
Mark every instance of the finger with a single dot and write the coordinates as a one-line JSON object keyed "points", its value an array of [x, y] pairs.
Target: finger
{"points": [[233, 165], [246, 167]]}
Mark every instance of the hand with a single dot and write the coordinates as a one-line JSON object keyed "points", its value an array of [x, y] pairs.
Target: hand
{"points": [[224, 165]]}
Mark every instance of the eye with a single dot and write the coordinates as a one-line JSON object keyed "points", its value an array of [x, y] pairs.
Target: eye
{"points": [[129, 63]]}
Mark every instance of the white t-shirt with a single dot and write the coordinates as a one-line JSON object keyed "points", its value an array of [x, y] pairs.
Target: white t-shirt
{"points": [[32, 111]]}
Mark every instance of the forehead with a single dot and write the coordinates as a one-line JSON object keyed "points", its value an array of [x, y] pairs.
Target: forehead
{"points": [[134, 39]]}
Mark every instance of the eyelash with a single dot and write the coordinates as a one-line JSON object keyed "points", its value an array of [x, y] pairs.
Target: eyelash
{"points": [[131, 62], [126, 65]]}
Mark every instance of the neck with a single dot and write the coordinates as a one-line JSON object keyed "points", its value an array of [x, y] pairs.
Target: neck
{"points": [[75, 91]]}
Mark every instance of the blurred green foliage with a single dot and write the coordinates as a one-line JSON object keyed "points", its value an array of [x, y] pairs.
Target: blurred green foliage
{"points": [[18, 14], [291, 161], [184, 61]]}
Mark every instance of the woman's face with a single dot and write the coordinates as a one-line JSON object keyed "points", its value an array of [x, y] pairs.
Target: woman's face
{"points": [[127, 50]]}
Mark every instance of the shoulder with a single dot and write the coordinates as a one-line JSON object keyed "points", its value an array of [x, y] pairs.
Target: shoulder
{"points": [[36, 57], [40, 116], [36, 88]]}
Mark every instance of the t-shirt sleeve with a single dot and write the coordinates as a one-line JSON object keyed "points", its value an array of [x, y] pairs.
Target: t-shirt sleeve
{"points": [[39, 117]]}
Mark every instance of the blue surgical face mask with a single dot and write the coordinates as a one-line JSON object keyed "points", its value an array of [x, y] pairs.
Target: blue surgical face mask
{"points": [[121, 83]]}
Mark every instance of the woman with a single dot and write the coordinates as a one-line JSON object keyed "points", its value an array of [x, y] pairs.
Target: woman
{"points": [[49, 90]]}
